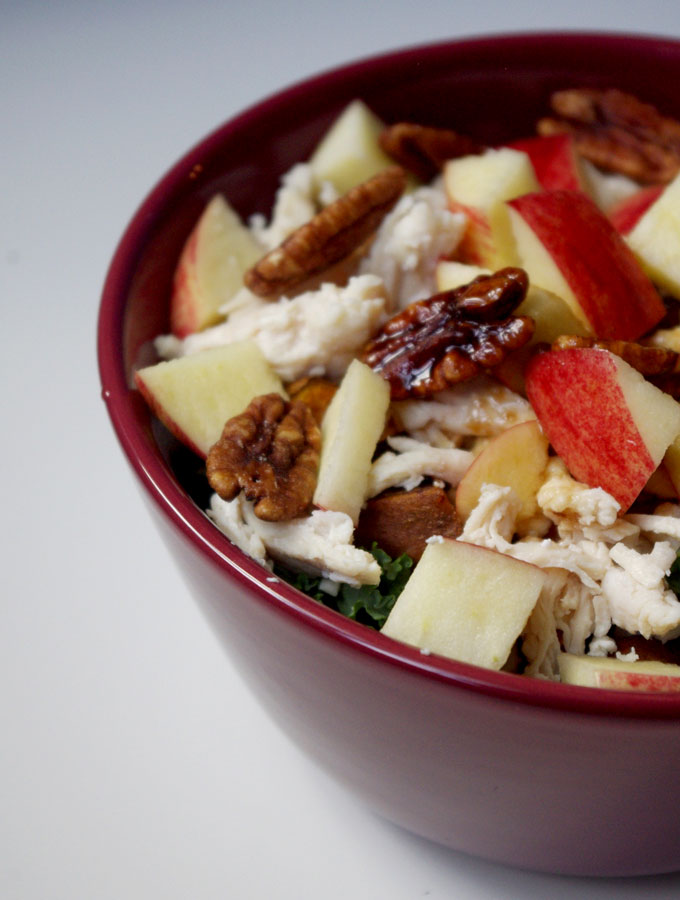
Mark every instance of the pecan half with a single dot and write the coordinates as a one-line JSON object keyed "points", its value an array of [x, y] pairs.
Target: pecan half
{"points": [[402, 521], [423, 150], [452, 336], [270, 452], [617, 132], [331, 235]]}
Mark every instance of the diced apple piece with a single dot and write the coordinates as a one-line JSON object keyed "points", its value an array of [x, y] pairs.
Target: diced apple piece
{"points": [[515, 458], [627, 212], [556, 164], [619, 675], [569, 247], [466, 602], [610, 426], [479, 186], [210, 269], [349, 152], [655, 239], [350, 431], [193, 396]]}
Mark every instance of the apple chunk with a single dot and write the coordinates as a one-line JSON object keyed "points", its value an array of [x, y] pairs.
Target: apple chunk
{"points": [[350, 431], [195, 395], [625, 214], [555, 161], [655, 239], [349, 152], [568, 246], [466, 602], [515, 458], [618, 674], [210, 269], [610, 426], [479, 186]]}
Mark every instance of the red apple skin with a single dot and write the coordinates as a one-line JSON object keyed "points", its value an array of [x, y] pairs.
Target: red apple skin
{"points": [[617, 297], [554, 161], [183, 309], [624, 215], [583, 411]]}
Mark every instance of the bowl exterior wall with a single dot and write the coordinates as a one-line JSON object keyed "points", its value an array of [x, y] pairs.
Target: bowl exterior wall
{"points": [[515, 783]]}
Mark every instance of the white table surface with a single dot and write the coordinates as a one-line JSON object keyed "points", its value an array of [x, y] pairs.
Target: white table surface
{"points": [[133, 762]]}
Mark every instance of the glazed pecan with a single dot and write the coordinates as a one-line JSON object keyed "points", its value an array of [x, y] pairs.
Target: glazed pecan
{"points": [[618, 133], [402, 521], [270, 452], [452, 336], [423, 150], [331, 235]]}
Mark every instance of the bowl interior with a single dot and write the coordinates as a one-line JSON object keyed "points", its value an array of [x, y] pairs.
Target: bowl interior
{"points": [[493, 89]]}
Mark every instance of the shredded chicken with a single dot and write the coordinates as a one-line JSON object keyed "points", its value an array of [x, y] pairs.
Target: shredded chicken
{"points": [[320, 544], [316, 333], [480, 407], [411, 240], [412, 462], [295, 204]]}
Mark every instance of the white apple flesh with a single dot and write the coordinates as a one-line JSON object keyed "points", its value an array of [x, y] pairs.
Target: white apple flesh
{"points": [[349, 152], [655, 239], [479, 186], [210, 270], [350, 431], [193, 396], [515, 458], [466, 602]]}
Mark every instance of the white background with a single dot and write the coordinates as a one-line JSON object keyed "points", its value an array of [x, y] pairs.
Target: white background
{"points": [[133, 763]]}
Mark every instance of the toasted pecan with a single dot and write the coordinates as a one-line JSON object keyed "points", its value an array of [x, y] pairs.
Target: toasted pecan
{"points": [[402, 521], [452, 336], [423, 150], [330, 236], [617, 132], [271, 453]]}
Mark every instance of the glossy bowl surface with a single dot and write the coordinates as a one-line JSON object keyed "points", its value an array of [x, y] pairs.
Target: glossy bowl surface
{"points": [[534, 774]]}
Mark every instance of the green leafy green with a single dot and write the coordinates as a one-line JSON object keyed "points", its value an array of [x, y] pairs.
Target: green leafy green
{"points": [[369, 604]]}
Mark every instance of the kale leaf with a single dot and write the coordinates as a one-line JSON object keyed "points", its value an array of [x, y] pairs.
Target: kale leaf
{"points": [[369, 604]]}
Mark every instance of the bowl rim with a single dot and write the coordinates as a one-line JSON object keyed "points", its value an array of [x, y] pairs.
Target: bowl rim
{"points": [[187, 518]]}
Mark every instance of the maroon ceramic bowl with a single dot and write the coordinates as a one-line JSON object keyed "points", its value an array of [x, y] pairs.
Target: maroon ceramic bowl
{"points": [[534, 774]]}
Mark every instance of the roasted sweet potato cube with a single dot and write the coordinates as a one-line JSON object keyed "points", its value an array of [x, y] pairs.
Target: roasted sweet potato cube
{"points": [[401, 521], [317, 393]]}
